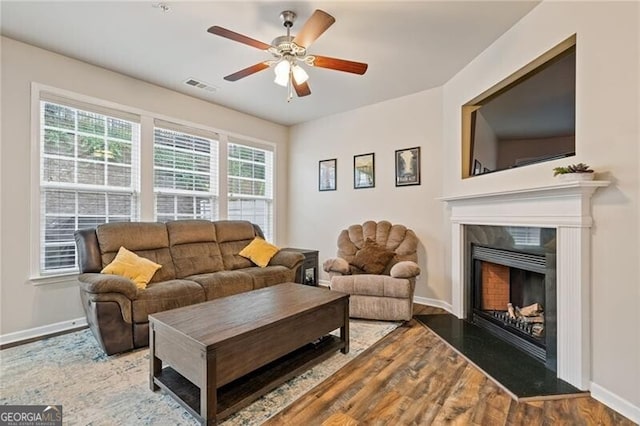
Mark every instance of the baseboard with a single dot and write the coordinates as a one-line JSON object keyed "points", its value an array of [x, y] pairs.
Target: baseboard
{"points": [[324, 283], [24, 336], [615, 402], [432, 302]]}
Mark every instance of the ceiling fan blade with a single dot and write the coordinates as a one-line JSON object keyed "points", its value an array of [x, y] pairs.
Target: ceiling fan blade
{"points": [[223, 32], [301, 89], [247, 71], [313, 28], [340, 64]]}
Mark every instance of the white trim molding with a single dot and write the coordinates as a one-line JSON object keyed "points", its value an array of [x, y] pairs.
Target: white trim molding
{"points": [[566, 207], [613, 401], [436, 303], [41, 332]]}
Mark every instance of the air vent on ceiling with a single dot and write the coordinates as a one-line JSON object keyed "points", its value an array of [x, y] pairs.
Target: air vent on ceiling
{"points": [[199, 84]]}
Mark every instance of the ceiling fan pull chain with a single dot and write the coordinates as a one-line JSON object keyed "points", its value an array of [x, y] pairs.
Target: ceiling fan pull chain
{"points": [[290, 87]]}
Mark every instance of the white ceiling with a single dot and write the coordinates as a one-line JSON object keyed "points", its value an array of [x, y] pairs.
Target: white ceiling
{"points": [[409, 46]]}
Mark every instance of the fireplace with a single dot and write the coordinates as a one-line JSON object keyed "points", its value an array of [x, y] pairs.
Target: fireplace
{"points": [[564, 207], [512, 286]]}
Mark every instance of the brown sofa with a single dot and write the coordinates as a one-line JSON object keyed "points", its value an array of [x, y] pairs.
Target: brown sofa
{"points": [[199, 261]]}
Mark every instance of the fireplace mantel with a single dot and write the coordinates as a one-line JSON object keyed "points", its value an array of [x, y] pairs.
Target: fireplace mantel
{"points": [[565, 206], [566, 203]]}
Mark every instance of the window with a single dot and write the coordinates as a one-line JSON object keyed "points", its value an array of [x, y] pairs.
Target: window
{"points": [[250, 180], [185, 176], [88, 176]]}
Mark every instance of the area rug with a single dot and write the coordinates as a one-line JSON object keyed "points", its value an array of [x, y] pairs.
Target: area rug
{"points": [[95, 389]]}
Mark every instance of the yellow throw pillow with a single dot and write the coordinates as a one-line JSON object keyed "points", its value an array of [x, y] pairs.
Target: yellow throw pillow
{"points": [[130, 265], [259, 252]]}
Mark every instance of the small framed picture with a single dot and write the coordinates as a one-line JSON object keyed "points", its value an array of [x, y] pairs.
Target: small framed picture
{"points": [[485, 170], [477, 167], [310, 276], [408, 166], [364, 171], [327, 174]]}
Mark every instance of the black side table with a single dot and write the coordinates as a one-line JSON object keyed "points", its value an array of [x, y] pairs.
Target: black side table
{"points": [[308, 271]]}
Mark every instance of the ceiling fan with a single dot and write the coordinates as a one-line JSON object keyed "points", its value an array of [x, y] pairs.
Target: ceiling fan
{"points": [[288, 51]]}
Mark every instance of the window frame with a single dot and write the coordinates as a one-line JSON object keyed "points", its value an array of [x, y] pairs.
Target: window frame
{"points": [[272, 189], [42, 93], [214, 170]]}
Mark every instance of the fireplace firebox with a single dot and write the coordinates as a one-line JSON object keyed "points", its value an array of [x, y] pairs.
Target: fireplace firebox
{"points": [[512, 287]]}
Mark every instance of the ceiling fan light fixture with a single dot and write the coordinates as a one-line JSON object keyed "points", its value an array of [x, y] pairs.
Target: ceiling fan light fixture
{"points": [[282, 70], [299, 74], [288, 51]]}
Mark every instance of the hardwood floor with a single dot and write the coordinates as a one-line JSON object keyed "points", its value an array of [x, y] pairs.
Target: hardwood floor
{"points": [[412, 378]]}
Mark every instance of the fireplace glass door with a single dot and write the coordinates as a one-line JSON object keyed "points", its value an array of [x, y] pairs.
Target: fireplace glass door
{"points": [[509, 296], [515, 297]]}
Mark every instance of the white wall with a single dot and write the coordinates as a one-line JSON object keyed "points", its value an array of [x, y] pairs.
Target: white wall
{"points": [[25, 306], [607, 136], [315, 218], [485, 145], [511, 151]]}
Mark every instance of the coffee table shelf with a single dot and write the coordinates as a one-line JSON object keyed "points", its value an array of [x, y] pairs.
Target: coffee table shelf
{"points": [[243, 391]]}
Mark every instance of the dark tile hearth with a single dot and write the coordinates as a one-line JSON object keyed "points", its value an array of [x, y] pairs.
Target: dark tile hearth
{"points": [[518, 373]]}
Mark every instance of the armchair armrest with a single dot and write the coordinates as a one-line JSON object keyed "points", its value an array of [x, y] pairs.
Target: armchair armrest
{"points": [[405, 269], [336, 264], [107, 283], [289, 259]]}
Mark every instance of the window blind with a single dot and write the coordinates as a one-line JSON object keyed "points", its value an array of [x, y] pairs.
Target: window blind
{"points": [[89, 175], [524, 236], [250, 186], [185, 174]]}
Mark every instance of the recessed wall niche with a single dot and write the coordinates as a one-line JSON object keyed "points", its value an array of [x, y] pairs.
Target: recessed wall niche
{"points": [[527, 118]]}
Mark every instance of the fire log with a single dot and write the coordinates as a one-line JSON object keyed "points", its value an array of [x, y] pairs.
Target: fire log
{"points": [[538, 319], [537, 330], [512, 312], [531, 310]]}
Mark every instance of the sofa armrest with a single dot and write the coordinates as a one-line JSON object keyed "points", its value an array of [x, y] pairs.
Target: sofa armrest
{"points": [[405, 269], [336, 265], [289, 259], [107, 283]]}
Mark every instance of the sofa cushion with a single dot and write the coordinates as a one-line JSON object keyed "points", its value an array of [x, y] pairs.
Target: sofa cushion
{"points": [[162, 296], [259, 252], [193, 247], [271, 275], [223, 283], [133, 235], [129, 265], [233, 236], [146, 239], [396, 238], [372, 258], [367, 285]]}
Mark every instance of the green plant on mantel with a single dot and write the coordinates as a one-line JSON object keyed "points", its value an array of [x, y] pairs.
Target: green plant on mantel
{"points": [[573, 168]]}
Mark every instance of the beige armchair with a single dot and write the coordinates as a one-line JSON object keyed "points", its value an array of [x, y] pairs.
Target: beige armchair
{"points": [[376, 265]]}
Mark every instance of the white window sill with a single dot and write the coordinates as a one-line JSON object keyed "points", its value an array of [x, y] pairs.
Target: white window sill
{"points": [[53, 279]]}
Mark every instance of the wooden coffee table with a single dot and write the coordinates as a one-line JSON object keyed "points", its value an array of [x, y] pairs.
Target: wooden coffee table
{"points": [[225, 353]]}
